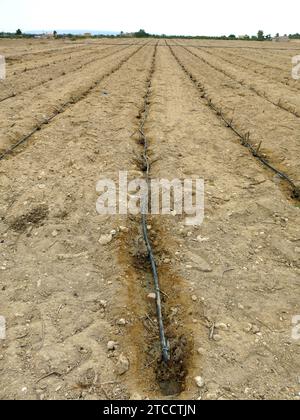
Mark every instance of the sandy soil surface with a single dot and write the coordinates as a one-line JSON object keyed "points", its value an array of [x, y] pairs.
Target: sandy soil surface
{"points": [[74, 285]]}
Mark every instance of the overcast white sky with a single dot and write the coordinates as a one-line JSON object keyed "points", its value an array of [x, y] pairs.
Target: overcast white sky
{"points": [[194, 17]]}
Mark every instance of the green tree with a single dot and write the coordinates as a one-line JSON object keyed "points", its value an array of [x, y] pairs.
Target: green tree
{"points": [[141, 34], [260, 35], [18, 32]]}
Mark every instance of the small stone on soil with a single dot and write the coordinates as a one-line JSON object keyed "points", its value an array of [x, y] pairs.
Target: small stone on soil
{"points": [[122, 365], [255, 329], [105, 239], [201, 239], [199, 381], [111, 345], [124, 229]]}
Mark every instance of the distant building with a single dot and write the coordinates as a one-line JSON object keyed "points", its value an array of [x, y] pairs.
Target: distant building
{"points": [[128, 34], [283, 38], [87, 35], [47, 35]]}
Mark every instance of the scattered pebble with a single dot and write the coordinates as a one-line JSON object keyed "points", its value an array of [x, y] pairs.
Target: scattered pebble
{"points": [[111, 345], [255, 329], [105, 239], [124, 229], [152, 296], [199, 381], [196, 262], [221, 326], [121, 321], [194, 298], [103, 303], [202, 239], [122, 365]]}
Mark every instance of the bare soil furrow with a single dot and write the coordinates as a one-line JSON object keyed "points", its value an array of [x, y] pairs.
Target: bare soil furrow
{"points": [[34, 80], [283, 99], [269, 128], [64, 97]]}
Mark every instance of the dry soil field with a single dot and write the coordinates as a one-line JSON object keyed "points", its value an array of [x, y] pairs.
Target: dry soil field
{"points": [[79, 322]]}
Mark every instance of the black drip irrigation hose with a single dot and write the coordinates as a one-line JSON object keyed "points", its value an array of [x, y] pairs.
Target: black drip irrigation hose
{"points": [[163, 340], [8, 97], [243, 137]]}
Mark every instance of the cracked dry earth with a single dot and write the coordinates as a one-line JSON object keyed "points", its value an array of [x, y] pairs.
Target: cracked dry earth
{"points": [[79, 322]]}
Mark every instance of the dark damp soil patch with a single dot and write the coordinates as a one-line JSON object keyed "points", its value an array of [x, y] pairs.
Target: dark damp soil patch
{"points": [[33, 218], [171, 376]]}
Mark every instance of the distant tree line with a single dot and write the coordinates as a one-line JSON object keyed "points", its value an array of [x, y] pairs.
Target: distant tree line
{"points": [[143, 34], [17, 34], [294, 36]]}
